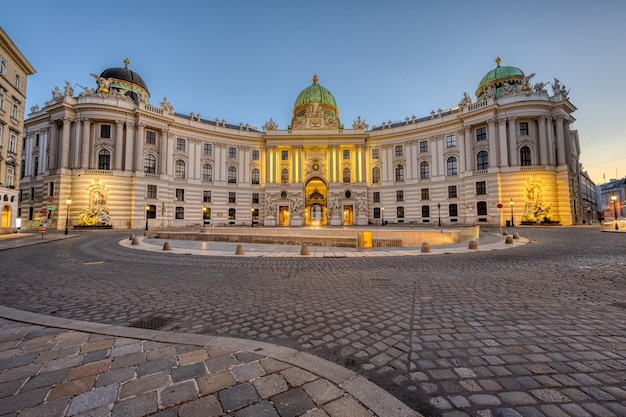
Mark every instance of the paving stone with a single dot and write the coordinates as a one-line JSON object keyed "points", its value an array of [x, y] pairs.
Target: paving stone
{"points": [[208, 406], [220, 363], [297, 376], [212, 383], [23, 400], [516, 398], [178, 393], [292, 403], [247, 371], [195, 356], [72, 388], [484, 399], [270, 385], [262, 409], [144, 384], [136, 406], [237, 397], [322, 391], [115, 376], [93, 368], [154, 366], [184, 373], [346, 406], [93, 399], [47, 409]]}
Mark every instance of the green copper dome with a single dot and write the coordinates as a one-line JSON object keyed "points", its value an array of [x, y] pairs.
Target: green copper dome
{"points": [[499, 75], [315, 93]]}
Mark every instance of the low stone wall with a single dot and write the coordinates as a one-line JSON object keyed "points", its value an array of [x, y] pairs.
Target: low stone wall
{"points": [[322, 236]]}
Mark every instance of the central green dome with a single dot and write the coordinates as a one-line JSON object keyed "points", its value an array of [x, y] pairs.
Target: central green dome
{"points": [[498, 76], [315, 93]]}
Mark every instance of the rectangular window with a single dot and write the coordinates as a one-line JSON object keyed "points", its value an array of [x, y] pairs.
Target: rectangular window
{"points": [[232, 152], [425, 211], [15, 108], [51, 189], [206, 196], [232, 197], [2, 96], [284, 155], [12, 142], [105, 131], [207, 149], [18, 81], [377, 212], [423, 146], [399, 195], [232, 214], [180, 213], [180, 194], [180, 144], [425, 194], [452, 191], [481, 208], [3, 66], [9, 177], [450, 141], [31, 213], [151, 191], [32, 193], [256, 155], [376, 197], [398, 150], [523, 128], [150, 137], [255, 198], [481, 134], [400, 213], [346, 154], [481, 187], [375, 153], [453, 210]]}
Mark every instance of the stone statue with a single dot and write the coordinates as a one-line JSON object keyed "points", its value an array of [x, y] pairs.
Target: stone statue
{"points": [[298, 207], [539, 87], [271, 208], [69, 91], [465, 101], [103, 84], [556, 87], [361, 206], [166, 106], [490, 92], [359, 124], [334, 207], [56, 93]]}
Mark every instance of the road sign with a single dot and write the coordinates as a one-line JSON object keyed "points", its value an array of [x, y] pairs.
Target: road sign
{"points": [[499, 206], [51, 207]]}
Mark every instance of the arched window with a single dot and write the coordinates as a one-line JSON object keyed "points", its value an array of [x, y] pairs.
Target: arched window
{"points": [[207, 173], [149, 164], [256, 176], [524, 156], [424, 170], [35, 166], [375, 175], [232, 175], [284, 176], [482, 160], [104, 159], [399, 172], [452, 166], [179, 170], [346, 175]]}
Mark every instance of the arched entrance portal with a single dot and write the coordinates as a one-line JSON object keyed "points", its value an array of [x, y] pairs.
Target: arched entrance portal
{"points": [[315, 193]]}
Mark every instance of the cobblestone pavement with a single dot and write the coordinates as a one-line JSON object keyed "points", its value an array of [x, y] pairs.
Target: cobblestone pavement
{"points": [[536, 330]]}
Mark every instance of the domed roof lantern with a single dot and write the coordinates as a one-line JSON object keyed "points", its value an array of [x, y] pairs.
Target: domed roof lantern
{"points": [[496, 78], [315, 108]]}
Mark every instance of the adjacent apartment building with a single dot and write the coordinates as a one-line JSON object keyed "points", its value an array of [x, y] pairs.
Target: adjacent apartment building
{"points": [[14, 71]]}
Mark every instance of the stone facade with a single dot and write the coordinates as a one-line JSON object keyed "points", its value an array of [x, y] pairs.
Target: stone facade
{"points": [[14, 70], [509, 156]]}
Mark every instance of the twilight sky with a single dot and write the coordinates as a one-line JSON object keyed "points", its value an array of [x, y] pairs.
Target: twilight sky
{"points": [[247, 60]]}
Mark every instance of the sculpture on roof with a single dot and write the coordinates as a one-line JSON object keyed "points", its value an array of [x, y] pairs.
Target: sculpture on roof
{"points": [[103, 83], [69, 91], [465, 101]]}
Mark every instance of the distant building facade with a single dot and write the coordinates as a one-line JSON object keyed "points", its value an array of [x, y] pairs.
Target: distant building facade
{"points": [[611, 197], [507, 155], [14, 71]]}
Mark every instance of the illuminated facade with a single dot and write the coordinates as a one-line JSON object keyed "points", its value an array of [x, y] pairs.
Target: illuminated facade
{"points": [[14, 71], [122, 161]]}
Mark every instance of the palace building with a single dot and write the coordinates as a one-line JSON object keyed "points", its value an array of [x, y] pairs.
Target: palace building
{"points": [[106, 156]]}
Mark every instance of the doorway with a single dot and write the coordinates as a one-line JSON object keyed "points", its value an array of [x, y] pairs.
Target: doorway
{"points": [[283, 216], [348, 215]]}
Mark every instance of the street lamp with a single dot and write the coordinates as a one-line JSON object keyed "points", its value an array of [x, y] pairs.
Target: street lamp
{"points": [[382, 215], [67, 214], [147, 210], [204, 209], [252, 216], [512, 221], [439, 213], [614, 200]]}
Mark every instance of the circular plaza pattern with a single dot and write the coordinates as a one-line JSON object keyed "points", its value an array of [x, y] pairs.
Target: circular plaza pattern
{"points": [[536, 330]]}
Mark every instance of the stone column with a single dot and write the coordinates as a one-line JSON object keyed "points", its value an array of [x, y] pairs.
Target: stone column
{"points": [[163, 155], [138, 165], [560, 142], [65, 146], [53, 146], [85, 144], [502, 144], [461, 143], [513, 159], [469, 157], [119, 144], [491, 138], [543, 142], [130, 144], [268, 164]]}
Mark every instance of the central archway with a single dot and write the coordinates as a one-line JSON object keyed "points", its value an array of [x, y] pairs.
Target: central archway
{"points": [[315, 196]]}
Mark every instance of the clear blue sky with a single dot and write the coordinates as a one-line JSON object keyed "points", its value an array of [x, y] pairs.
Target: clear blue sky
{"points": [[246, 61]]}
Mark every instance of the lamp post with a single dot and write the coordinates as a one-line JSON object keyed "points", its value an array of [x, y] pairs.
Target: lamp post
{"points": [[147, 210], [512, 221], [67, 214], [614, 200], [439, 213], [204, 216], [382, 215], [251, 216]]}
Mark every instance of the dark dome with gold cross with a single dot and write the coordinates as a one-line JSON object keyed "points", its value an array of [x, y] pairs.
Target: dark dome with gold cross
{"points": [[124, 79], [315, 108]]}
